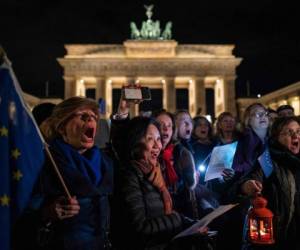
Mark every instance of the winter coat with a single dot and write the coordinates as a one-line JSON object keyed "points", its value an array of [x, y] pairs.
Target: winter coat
{"points": [[281, 189], [142, 220], [249, 148], [86, 230]]}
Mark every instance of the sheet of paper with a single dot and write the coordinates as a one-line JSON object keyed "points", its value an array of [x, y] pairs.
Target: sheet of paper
{"points": [[205, 220], [221, 158]]}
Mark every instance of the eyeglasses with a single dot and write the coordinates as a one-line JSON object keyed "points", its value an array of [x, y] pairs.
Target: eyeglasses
{"points": [[260, 114], [291, 133], [86, 117]]}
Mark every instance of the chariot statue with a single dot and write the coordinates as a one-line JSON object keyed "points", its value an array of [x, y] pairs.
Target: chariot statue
{"points": [[150, 30]]}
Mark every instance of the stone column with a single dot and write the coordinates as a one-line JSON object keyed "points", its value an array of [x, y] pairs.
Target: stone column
{"points": [[70, 86], [108, 97], [169, 94], [102, 91], [101, 87], [200, 97], [229, 94], [134, 108]]}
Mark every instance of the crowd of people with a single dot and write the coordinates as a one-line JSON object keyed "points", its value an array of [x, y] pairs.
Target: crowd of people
{"points": [[147, 184]]}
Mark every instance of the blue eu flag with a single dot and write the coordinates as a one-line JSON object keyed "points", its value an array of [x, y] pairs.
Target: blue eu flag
{"points": [[21, 153], [266, 163]]}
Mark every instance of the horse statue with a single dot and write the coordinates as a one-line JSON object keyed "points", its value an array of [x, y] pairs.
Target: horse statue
{"points": [[167, 33], [135, 33]]}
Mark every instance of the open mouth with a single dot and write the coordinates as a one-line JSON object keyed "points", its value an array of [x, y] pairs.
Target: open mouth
{"points": [[154, 154], [89, 133], [295, 143], [188, 132], [165, 136]]}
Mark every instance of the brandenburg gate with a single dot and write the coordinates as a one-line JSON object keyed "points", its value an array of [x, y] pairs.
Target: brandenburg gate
{"points": [[156, 62]]}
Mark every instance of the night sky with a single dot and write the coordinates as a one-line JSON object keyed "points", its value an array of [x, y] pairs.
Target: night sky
{"points": [[266, 35]]}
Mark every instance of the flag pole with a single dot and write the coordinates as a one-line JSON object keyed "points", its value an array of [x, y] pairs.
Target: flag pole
{"points": [[4, 58], [61, 179]]}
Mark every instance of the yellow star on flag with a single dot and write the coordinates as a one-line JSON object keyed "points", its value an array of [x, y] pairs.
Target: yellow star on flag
{"points": [[4, 200], [17, 175], [3, 131], [15, 153]]}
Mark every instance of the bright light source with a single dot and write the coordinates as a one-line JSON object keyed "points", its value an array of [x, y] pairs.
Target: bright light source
{"points": [[201, 168], [208, 117], [258, 95]]}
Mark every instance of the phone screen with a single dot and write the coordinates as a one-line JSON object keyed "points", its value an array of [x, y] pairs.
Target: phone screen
{"points": [[132, 93]]}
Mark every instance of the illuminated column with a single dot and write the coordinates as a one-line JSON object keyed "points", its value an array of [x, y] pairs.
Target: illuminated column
{"points": [[229, 94], [294, 102], [80, 87], [101, 88], [108, 96], [169, 94], [134, 108], [197, 96], [219, 97], [70, 86]]}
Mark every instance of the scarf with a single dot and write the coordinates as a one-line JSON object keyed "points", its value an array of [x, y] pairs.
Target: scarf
{"points": [[154, 175], [88, 163], [171, 176]]}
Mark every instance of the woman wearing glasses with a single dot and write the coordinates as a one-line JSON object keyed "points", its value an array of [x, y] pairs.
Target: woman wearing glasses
{"points": [[281, 185], [253, 142], [79, 222], [250, 146]]}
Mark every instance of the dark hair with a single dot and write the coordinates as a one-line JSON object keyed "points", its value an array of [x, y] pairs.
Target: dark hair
{"points": [[283, 107], [197, 120], [42, 111], [136, 131], [279, 123], [270, 110]]}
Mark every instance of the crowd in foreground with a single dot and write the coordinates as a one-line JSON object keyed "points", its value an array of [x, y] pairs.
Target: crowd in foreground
{"points": [[147, 185]]}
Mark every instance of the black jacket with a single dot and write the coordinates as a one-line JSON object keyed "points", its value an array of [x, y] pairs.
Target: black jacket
{"points": [[142, 221], [281, 189]]}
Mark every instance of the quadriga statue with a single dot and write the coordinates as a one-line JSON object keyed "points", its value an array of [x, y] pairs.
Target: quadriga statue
{"points": [[167, 33]]}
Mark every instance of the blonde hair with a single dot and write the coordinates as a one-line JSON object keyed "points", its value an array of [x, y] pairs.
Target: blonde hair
{"points": [[248, 111], [63, 112]]}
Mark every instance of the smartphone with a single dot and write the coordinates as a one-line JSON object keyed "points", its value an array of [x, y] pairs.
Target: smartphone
{"points": [[132, 93]]}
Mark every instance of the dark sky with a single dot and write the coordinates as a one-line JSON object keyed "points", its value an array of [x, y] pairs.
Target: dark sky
{"points": [[266, 35]]}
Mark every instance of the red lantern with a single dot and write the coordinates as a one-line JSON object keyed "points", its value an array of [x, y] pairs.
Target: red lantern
{"points": [[260, 222]]}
